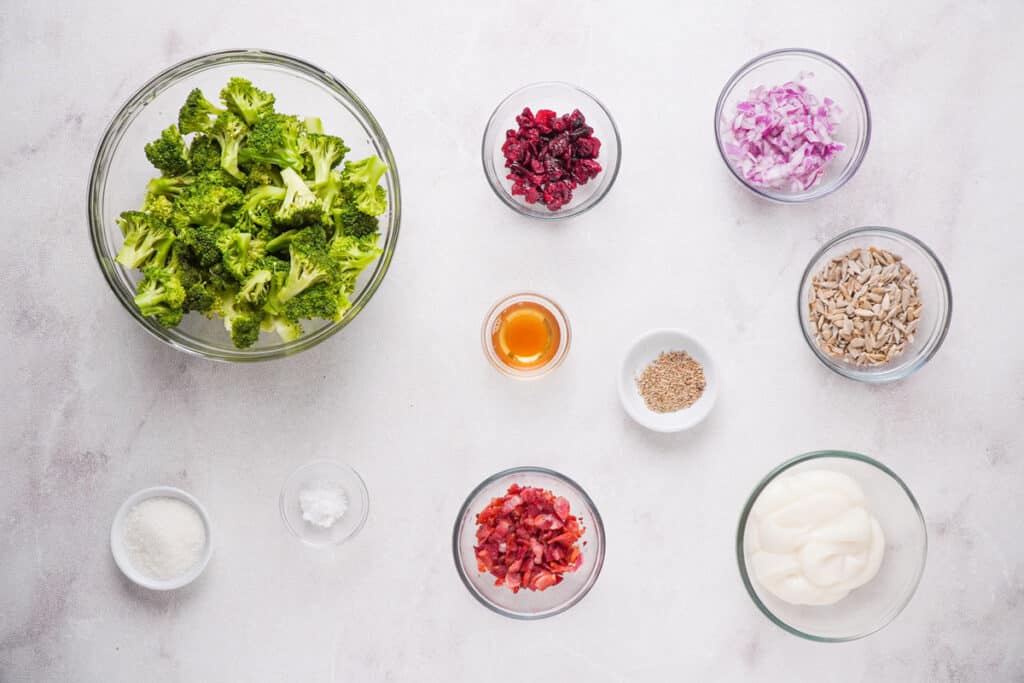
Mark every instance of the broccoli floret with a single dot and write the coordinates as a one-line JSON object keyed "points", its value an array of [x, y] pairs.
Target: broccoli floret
{"points": [[194, 115], [201, 241], [261, 175], [282, 241], [167, 152], [246, 100], [168, 186], [354, 254], [324, 152], [161, 296], [199, 295], [299, 205], [159, 206], [241, 321], [322, 300], [305, 271], [274, 139], [239, 251], [256, 287], [205, 202], [350, 221], [229, 131], [147, 240], [360, 180], [204, 154]]}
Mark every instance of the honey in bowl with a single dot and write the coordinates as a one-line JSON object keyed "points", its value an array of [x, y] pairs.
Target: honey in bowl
{"points": [[526, 335]]}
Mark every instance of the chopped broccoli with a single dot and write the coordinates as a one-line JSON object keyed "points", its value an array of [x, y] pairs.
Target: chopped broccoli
{"points": [[203, 154], [246, 101], [147, 240], [239, 251], [360, 180], [205, 202], [299, 206], [305, 270], [159, 206], [256, 287], [168, 186], [160, 295], [350, 221], [229, 131], [194, 115], [324, 152], [167, 152], [274, 139], [313, 124], [255, 218]]}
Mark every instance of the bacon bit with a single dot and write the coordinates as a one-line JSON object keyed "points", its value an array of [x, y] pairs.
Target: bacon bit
{"points": [[528, 539]]}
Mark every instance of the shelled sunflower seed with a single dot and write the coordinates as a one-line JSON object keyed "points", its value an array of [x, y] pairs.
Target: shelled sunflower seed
{"points": [[865, 307]]}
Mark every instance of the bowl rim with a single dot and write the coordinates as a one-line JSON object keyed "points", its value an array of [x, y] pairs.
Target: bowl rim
{"points": [[626, 371], [120, 553], [319, 462], [522, 373], [159, 82], [882, 376], [745, 514], [596, 523], [492, 175], [742, 71]]}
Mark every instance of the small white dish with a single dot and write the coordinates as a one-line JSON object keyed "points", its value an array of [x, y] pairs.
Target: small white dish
{"points": [[330, 473], [120, 553], [645, 350]]}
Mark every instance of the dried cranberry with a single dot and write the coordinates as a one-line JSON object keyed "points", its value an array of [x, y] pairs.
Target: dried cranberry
{"points": [[548, 156]]}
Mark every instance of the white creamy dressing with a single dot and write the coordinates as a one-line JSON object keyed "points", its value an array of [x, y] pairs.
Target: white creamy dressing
{"points": [[811, 539]]}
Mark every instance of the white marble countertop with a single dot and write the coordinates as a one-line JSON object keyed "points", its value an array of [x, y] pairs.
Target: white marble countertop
{"points": [[94, 409]]}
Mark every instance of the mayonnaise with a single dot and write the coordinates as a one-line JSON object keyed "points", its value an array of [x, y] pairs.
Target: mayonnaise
{"points": [[810, 540]]}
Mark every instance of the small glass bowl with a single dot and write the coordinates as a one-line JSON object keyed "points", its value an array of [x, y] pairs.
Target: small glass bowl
{"points": [[561, 98], [120, 170], [528, 604], [491, 322], [330, 473], [936, 300], [831, 79], [875, 604]]}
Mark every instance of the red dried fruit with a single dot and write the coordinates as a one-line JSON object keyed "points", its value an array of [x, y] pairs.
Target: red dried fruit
{"points": [[550, 155], [528, 539]]}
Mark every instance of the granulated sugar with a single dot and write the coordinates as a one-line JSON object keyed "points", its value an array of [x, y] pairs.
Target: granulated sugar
{"points": [[164, 537]]}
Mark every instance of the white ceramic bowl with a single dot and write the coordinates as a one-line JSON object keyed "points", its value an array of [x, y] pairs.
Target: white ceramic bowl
{"points": [[645, 350], [120, 553]]}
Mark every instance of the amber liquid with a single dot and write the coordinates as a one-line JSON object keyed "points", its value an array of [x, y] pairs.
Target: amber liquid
{"points": [[526, 335]]}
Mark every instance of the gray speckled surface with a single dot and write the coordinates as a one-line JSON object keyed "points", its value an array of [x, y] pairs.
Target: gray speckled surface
{"points": [[93, 409]]}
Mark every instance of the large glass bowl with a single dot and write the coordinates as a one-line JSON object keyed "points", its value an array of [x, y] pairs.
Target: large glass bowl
{"points": [[562, 98], [875, 604], [120, 172], [933, 286], [831, 79], [529, 604]]}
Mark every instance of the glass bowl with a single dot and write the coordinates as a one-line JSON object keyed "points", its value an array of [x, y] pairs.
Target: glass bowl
{"points": [[875, 604], [831, 79], [933, 285], [528, 604], [325, 473], [491, 323], [120, 172], [561, 98]]}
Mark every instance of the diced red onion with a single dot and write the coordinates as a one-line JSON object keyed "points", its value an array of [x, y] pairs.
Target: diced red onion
{"points": [[783, 138]]}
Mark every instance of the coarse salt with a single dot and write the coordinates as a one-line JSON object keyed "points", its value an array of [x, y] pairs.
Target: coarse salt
{"points": [[323, 504]]}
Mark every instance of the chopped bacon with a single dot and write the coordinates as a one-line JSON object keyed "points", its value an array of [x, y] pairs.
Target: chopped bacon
{"points": [[528, 539]]}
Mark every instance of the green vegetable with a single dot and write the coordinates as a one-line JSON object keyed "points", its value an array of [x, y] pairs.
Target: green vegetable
{"points": [[167, 152], [255, 218]]}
